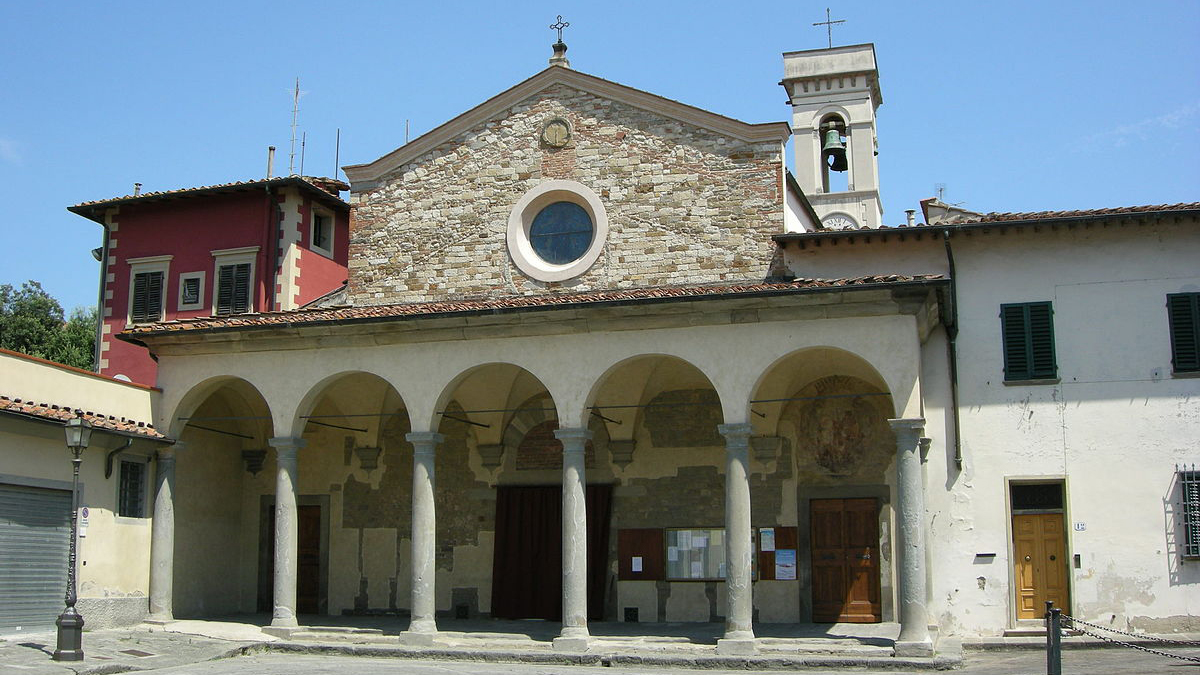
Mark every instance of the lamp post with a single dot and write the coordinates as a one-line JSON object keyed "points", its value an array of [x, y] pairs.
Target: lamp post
{"points": [[70, 623]]}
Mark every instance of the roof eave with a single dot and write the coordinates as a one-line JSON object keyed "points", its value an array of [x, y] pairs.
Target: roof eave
{"points": [[146, 339]]}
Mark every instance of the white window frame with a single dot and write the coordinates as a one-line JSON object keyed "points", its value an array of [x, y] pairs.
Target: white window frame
{"points": [[312, 230], [234, 256], [144, 265], [199, 304], [520, 219]]}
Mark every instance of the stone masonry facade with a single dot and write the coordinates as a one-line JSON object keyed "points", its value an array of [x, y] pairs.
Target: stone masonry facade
{"points": [[685, 205]]}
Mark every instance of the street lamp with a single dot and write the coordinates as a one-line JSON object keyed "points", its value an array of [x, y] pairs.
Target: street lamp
{"points": [[70, 623]]}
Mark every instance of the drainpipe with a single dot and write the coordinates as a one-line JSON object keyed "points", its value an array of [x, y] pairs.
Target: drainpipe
{"points": [[952, 348], [103, 258]]}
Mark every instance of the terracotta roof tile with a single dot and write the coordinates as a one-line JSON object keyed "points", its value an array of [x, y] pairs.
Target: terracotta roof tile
{"points": [[1046, 215], [60, 413], [316, 182], [335, 314]]}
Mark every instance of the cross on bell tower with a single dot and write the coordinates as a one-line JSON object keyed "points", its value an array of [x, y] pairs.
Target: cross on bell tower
{"points": [[560, 47], [828, 23]]}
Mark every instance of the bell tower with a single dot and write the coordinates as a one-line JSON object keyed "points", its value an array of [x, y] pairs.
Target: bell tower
{"points": [[834, 93]]}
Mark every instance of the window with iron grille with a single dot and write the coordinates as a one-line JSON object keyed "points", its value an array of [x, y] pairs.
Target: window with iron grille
{"points": [[1189, 493], [1183, 316], [131, 500], [146, 304], [233, 289], [1028, 337]]}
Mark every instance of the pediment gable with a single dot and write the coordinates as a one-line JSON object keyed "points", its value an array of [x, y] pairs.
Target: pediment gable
{"points": [[363, 175]]}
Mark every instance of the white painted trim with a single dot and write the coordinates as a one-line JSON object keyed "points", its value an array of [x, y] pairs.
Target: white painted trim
{"points": [[313, 212], [530, 204], [148, 264], [234, 251], [180, 305]]}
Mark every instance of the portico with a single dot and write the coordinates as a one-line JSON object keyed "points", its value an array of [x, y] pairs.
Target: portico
{"points": [[643, 399]]}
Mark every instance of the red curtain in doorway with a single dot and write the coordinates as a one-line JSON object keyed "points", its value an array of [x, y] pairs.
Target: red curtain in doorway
{"points": [[527, 563]]}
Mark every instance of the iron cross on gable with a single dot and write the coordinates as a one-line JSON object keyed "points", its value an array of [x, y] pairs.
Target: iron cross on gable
{"points": [[558, 25], [828, 23]]}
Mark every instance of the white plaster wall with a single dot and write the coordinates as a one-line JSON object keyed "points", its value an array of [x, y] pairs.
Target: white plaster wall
{"points": [[43, 382], [114, 556], [1114, 426]]}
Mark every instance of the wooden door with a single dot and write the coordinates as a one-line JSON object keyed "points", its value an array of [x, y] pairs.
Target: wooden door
{"points": [[308, 561], [845, 560], [1040, 565]]}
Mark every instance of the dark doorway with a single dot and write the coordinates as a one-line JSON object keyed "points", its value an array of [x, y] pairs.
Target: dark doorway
{"points": [[527, 567], [308, 561], [845, 560]]}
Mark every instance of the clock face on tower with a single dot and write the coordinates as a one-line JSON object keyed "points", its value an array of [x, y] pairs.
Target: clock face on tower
{"points": [[839, 221]]}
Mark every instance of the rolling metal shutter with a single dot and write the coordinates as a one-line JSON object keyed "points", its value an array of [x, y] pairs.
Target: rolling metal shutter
{"points": [[35, 531]]}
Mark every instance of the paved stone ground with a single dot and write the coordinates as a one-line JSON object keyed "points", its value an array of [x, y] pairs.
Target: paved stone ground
{"points": [[218, 648]]}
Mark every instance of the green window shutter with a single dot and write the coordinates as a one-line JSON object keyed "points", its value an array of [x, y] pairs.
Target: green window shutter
{"points": [[233, 289], [1028, 341], [147, 297], [1183, 313], [241, 288], [225, 290]]}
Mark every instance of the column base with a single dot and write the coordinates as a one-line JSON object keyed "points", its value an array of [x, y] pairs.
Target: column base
{"points": [[417, 638], [910, 648], [284, 632], [577, 644], [737, 646], [159, 619]]}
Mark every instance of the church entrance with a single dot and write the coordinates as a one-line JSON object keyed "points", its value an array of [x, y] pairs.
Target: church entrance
{"points": [[308, 559], [527, 563], [844, 535]]}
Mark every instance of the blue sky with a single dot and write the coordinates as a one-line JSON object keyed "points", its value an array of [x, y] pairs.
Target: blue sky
{"points": [[1013, 106]]}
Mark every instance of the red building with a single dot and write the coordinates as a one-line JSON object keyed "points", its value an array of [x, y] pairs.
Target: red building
{"points": [[254, 246]]}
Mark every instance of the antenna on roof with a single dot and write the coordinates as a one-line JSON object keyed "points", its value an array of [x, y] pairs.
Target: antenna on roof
{"points": [[337, 150], [295, 110], [941, 191], [303, 143]]}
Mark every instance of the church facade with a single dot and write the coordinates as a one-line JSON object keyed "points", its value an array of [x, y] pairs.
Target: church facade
{"points": [[602, 357]]}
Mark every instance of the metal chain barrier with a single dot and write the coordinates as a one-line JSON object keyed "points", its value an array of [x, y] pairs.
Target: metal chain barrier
{"points": [[1077, 623]]}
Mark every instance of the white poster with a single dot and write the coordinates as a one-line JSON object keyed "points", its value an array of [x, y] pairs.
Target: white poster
{"points": [[766, 539], [697, 569], [672, 554], [636, 564]]}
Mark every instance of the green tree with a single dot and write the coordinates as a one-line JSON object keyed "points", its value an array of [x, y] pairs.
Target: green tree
{"points": [[31, 322]]}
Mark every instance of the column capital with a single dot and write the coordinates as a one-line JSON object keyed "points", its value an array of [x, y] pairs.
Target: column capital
{"points": [[580, 435], [908, 424], [287, 443], [736, 434], [167, 452], [424, 441]]}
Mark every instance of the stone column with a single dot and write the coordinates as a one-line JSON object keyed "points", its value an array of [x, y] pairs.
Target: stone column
{"points": [[423, 625], [739, 628], [286, 530], [162, 536], [914, 637], [574, 636]]}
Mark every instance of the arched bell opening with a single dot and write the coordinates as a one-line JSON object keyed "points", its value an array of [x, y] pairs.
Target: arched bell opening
{"points": [[821, 416], [835, 164], [224, 426]]}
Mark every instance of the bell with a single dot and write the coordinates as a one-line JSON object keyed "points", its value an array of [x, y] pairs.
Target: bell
{"points": [[835, 149]]}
